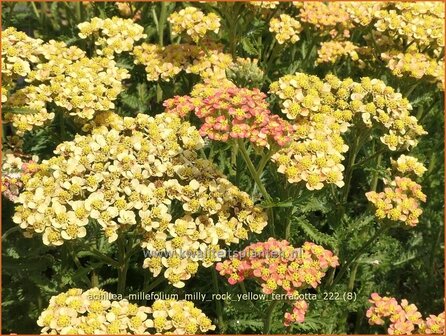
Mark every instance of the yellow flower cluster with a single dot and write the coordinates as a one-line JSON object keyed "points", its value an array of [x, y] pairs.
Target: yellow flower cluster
{"points": [[400, 201], [380, 104], [421, 23], [210, 64], [96, 311], [82, 87], [142, 173], [114, 35], [415, 65], [59, 74], [409, 164], [167, 62], [285, 28], [362, 13], [34, 99], [265, 4], [331, 51], [315, 155], [323, 109], [19, 52], [194, 22]]}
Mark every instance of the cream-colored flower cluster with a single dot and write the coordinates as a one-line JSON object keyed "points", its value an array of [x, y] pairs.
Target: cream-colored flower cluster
{"points": [[142, 174], [417, 65], [61, 75], [83, 87], [408, 164], [362, 13], [113, 36], [33, 99], [400, 201], [331, 51], [194, 22], [95, 311], [379, 104], [265, 4], [324, 109], [19, 52], [167, 62], [316, 153], [418, 23], [285, 28]]}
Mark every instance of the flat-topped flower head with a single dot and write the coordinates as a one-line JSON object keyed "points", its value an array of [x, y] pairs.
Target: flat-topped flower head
{"points": [[125, 175], [112, 35], [285, 28], [234, 113], [399, 202], [402, 318], [194, 23], [406, 164], [96, 311], [280, 268]]}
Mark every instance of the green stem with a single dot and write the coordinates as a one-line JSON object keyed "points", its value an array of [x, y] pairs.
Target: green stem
{"points": [[162, 22], [358, 142], [288, 230], [252, 170], [375, 174], [219, 306], [258, 181], [359, 253], [123, 264], [351, 282], [269, 316], [94, 279], [434, 249], [263, 162], [349, 169]]}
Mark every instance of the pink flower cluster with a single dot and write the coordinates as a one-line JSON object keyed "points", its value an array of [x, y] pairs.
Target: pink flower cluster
{"points": [[235, 113], [403, 317], [280, 268], [433, 325], [298, 313]]}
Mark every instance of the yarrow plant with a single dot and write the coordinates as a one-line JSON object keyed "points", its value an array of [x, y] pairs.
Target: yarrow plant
{"points": [[167, 62], [286, 28], [279, 267], [128, 175], [404, 318], [96, 312], [112, 36], [194, 22], [145, 142], [235, 113], [400, 201], [57, 74]]}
